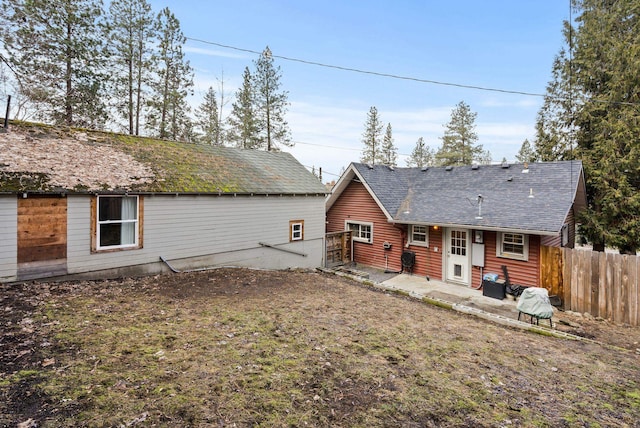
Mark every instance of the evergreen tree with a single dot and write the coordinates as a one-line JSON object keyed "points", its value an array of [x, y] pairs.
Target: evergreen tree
{"points": [[168, 117], [56, 50], [388, 152], [208, 119], [243, 124], [459, 141], [595, 94], [554, 136], [606, 69], [526, 153], [422, 155], [270, 103], [131, 32], [371, 138]]}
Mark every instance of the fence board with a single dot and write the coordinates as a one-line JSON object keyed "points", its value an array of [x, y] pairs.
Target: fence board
{"points": [[594, 284], [602, 284]]}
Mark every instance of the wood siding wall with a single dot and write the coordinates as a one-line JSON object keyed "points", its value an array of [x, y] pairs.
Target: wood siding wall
{"points": [[195, 231], [520, 272], [356, 204], [42, 228], [8, 237]]}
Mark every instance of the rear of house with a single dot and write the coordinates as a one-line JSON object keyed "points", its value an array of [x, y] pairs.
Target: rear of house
{"points": [[94, 204], [456, 223]]}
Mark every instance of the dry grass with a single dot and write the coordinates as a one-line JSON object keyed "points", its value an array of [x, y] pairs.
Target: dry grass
{"points": [[257, 348]]}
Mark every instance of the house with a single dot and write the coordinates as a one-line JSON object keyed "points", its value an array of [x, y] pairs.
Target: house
{"points": [[96, 204], [456, 223]]}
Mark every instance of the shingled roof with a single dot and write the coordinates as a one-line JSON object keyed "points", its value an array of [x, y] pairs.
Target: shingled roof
{"points": [[535, 199], [41, 158]]}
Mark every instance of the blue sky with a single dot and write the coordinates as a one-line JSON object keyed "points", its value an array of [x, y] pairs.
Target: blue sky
{"points": [[502, 44]]}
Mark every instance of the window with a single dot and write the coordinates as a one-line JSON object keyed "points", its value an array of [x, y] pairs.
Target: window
{"points": [[296, 230], [117, 225], [513, 246], [418, 235], [361, 232]]}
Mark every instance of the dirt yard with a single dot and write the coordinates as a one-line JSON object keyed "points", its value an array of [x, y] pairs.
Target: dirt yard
{"points": [[236, 347]]}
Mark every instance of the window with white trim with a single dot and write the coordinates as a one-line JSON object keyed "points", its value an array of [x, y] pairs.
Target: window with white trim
{"points": [[418, 235], [296, 230], [117, 222], [513, 246], [360, 231]]}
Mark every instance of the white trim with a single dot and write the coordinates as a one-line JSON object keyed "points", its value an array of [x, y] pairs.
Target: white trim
{"points": [[297, 235], [507, 255], [424, 243], [360, 223], [135, 221]]}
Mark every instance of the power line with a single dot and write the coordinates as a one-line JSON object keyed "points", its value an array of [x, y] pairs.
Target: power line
{"points": [[374, 73]]}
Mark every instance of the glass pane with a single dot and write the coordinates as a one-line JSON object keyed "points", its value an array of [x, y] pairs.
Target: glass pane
{"points": [[109, 209], [457, 271], [110, 234]]}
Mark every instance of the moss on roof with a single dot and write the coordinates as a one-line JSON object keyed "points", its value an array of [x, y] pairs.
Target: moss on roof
{"points": [[36, 157]]}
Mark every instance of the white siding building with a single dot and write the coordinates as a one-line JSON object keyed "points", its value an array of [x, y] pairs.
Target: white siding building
{"points": [[165, 205]]}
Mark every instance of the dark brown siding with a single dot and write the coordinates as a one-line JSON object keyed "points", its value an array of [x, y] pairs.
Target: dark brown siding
{"points": [[42, 228]]}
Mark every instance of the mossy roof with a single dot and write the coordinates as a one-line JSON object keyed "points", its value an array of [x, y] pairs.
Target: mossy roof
{"points": [[42, 158]]}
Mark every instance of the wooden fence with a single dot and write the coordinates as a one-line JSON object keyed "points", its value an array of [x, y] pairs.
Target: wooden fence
{"points": [[602, 284]]}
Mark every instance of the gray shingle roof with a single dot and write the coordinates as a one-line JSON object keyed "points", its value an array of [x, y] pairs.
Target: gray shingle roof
{"points": [[40, 158], [449, 196]]}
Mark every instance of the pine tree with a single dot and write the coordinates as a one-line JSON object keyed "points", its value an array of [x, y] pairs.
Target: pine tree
{"points": [[56, 49], [388, 152], [371, 138], [169, 108], [131, 32], [422, 155], [459, 141], [526, 152], [243, 124], [270, 103], [208, 119]]}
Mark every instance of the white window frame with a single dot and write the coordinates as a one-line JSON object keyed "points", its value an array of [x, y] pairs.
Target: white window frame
{"points": [[296, 230], [413, 233], [358, 237], [135, 222], [500, 243]]}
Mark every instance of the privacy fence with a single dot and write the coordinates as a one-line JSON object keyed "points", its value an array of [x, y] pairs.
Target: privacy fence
{"points": [[602, 284]]}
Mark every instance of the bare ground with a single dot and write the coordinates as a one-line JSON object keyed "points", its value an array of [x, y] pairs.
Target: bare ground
{"points": [[237, 347]]}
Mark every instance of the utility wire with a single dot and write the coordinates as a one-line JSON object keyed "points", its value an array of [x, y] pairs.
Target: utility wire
{"points": [[374, 73]]}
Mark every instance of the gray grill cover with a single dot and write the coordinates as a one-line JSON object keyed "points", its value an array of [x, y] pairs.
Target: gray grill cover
{"points": [[535, 301]]}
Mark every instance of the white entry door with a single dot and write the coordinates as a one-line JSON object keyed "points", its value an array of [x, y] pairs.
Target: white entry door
{"points": [[458, 255]]}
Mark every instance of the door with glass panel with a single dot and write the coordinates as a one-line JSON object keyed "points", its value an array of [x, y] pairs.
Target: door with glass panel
{"points": [[458, 255]]}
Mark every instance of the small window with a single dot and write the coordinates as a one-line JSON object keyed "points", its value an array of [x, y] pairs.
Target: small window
{"points": [[418, 235], [117, 222], [361, 232], [513, 246], [296, 230]]}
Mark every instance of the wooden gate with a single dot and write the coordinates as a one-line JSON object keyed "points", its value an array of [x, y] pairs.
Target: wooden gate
{"points": [[551, 266], [338, 248]]}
